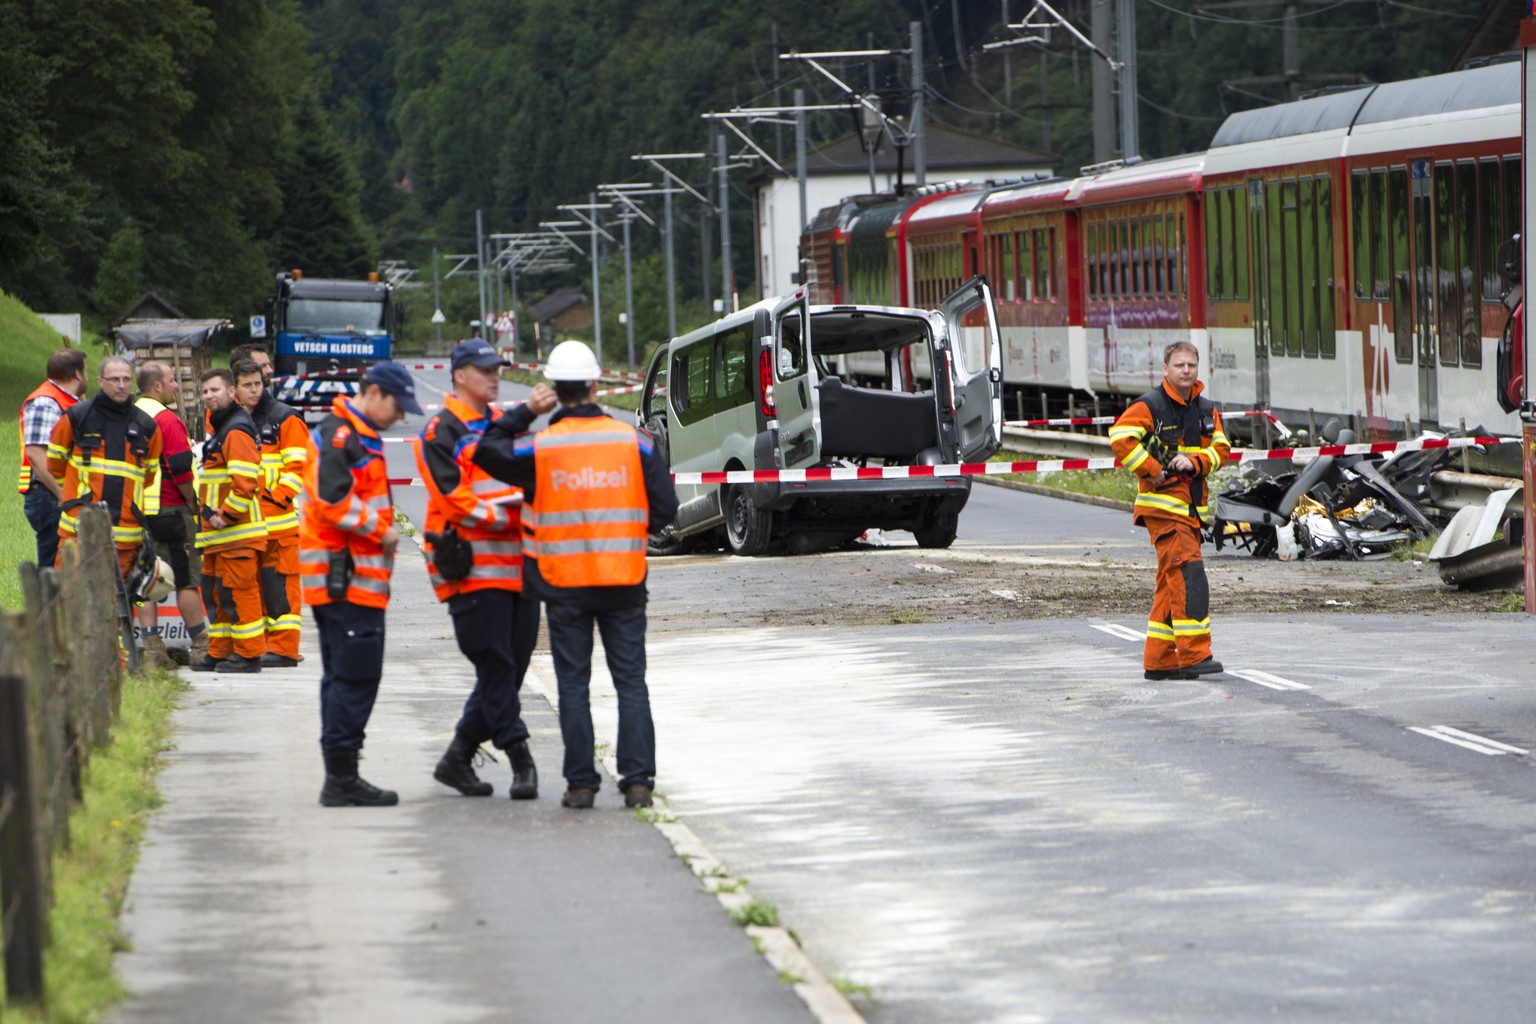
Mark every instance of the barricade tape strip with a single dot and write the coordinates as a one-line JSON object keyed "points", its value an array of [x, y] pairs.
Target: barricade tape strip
{"points": [[795, 476], [1104, 421]]}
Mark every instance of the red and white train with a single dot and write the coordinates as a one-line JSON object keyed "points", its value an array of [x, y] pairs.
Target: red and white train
{"points": [[1330, 257]]}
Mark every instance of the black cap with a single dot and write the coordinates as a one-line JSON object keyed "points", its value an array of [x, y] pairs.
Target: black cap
{"points": [[395, 379], [476, 352]]}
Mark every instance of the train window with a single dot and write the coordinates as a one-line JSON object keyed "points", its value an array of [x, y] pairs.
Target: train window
{"points": [[1240, 256], [1443, 268], [1157, 248], [1223, 260], [1133, 258], [1045, 257], [1511, 197], [1381, 257], [1397, 267], [1290, 223], [1359, 226], [1306, 276], [1213, 250], [1467, 288], [1276, 282], [1005, 274], [1101, 264], [1490, 226], [1183, 262], [1326, 290]]}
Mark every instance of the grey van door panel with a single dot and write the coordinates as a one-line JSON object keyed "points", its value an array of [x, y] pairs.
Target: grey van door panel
{"points": [[973, 351], [794, 392]]}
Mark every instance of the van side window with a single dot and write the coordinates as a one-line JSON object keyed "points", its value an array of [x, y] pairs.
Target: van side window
{"points": [[690, 380], [733, 383], [791, 347]]}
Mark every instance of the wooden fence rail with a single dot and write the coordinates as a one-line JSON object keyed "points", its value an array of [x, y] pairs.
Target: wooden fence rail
{"points": [[61, 676]]}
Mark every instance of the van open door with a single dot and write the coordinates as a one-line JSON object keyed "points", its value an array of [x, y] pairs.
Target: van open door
{"points": [[974, 352], [794, 379]]}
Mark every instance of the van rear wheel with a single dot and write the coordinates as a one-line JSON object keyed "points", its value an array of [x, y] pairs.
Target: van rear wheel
{"points": [[940, 531], [748, 528]]}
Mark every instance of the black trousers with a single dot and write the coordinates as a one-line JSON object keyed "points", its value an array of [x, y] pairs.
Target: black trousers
{"points": [[351, 662], [496, 631]]}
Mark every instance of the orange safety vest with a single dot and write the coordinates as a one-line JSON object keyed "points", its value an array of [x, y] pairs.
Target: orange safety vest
{"points": [[485, 511], [100, 456], [356, 521], [1160, 419], [229, 482], [587, 524], [285, 448], [47, 389]]}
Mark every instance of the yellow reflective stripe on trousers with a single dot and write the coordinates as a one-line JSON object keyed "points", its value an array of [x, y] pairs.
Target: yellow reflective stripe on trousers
{"points": [[1191, 627], [1160, 631]]}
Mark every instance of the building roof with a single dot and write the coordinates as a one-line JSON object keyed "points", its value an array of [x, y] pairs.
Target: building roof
{"points": [[945, 149], [557, 302], [151, 306]]}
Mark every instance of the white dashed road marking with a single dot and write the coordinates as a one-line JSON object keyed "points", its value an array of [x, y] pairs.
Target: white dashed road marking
{"points": [[1470, 740], [1274, 682], [1123, 632]]}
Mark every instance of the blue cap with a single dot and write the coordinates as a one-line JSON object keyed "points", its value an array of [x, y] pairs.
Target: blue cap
{"points": [[476, 352], [390, 376]]}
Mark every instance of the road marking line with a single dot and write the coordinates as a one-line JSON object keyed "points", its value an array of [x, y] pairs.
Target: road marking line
{"points": [[1115, 630], [1274, 682], [1470, 740]]}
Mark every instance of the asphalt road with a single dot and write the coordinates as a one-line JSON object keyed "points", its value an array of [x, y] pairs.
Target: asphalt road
{"points": [[1002, 823]]}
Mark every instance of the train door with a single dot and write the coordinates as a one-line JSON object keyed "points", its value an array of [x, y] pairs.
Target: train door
{"points": [[1258, 230], [1425, 293]]}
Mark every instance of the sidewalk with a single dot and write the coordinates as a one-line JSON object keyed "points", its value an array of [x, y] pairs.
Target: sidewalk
{"points": [[253, 903]]}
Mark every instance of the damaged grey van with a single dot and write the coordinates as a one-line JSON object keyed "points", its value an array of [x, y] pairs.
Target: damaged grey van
{"points": [[786, 385]]}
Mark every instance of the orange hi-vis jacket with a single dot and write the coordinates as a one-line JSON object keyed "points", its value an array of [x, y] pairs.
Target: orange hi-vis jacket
{"points": [[587, 524], [347, 507], [229, 483], [285, 448], [47, 389], [484, 511], [100, 451], [1160, 419]]}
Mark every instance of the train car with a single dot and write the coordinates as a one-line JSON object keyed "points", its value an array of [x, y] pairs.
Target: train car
{"points": [[1350, 243]]}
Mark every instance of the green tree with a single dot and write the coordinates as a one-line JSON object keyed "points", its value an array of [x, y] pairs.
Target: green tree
{"points": [[120, 275], [322, 227]]}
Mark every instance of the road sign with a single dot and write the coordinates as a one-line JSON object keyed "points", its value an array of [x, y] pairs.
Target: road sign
{"points": [[258, 327], [438, 318]]}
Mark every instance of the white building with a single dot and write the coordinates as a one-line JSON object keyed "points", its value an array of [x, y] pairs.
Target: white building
{"points": [[841, 169]]}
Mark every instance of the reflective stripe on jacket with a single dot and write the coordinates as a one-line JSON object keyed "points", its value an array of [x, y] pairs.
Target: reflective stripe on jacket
{"points": [[485, 511], [104, 452], [1192, 429], [587, 526], [347, 507], [285, 448], [47, 389], [229, 482]]}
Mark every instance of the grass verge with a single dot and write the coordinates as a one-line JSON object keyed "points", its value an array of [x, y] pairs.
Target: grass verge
{"points": [[1115, 484], [629, 400], [91, 879]]}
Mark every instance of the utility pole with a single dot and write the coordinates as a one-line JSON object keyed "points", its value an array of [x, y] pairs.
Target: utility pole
{"points": [[629, 294], [1130, 141], [800, 157], [1102, 78], [597, 283], [480, 266], [725, 228], [655, 160], [666, 230], [918, 129], [437, 302], [1290, 44]]}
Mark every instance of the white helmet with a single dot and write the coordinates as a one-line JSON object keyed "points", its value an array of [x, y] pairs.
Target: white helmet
{"points": [[572, 360], [164, 583]]}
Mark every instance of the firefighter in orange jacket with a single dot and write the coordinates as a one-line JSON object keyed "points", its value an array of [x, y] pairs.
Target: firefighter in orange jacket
{"points": [[1171, 438], [107, 449], [593, 489], [232, 536], [40, 413], [347, 542], [285, 449]]}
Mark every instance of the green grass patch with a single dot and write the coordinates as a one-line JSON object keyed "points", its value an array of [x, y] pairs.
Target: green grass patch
{"points": [[756, 911], [1515, 602], [906, 617], [853, 991], [105, 831], [1418, 551], [1117, 484]]}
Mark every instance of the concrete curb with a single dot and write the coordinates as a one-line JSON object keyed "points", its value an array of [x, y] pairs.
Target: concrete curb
{"points": [[1051, 492]]}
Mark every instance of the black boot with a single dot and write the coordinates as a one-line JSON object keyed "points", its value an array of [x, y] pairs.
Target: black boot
{"points": [[455, 769], [345, 788], [525, 777]]}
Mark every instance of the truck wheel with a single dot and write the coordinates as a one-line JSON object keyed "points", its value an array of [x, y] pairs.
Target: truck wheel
{"points": [[940, 532], [747, 527]]}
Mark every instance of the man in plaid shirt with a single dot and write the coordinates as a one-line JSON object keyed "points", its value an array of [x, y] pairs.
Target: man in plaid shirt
{"points": [[40, 411]]}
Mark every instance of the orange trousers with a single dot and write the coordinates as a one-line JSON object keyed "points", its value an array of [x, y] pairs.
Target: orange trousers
{"points": [[232, 595], [1179, 627], [280, 594]]}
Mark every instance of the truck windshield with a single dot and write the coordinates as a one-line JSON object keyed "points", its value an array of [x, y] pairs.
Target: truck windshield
{"points": [[335, 316]]}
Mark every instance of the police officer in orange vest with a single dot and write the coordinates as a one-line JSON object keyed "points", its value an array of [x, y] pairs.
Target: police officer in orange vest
{"points": [[1171, 438], [347, 542], [593, 489], [474, 555]]}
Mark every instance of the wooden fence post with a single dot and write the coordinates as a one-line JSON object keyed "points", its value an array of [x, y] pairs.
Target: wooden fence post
{"points": [[55, 779], [23, 916]]}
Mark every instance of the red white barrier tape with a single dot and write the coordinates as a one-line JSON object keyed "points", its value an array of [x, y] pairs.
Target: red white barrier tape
{"points": [[1104, 421], [621, 391], [793, 476]]}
